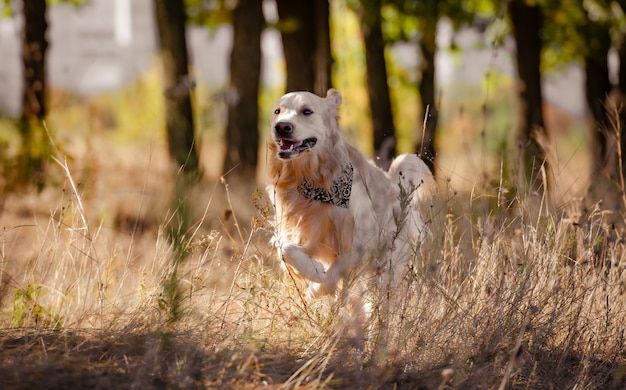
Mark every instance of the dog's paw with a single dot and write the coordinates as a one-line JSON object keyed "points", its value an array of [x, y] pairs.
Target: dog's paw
{"points": [[280, 242], [275, 241], [316, 290], [327, 286]]}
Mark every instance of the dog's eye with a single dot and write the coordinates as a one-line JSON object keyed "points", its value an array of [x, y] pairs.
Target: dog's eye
{"points": [[277, 111], [307, 112]]}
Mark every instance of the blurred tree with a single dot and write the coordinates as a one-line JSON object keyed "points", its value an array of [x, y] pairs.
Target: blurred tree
{"points": [[297, 30], [171, 21], [598, 88], [404, 20], [377, 88], [621, 103], [585, 32], [34, 149], [323, 53], [242, 133], [303, 35], [603, 28], [410, 19], [33, 56], [427, 88], [527, 22]]}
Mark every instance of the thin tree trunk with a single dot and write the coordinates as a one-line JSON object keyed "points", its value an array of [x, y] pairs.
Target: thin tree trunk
{"points": [[35, 143], [242, 133], [430, 111], [305, 33], [622, 105], [33, 57], [323, 55], [297, 25], [171, 22], [378, 90], [527, 24], [597, 89]]}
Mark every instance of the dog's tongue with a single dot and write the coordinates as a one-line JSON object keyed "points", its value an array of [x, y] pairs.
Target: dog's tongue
{"points": [[288, 145]]}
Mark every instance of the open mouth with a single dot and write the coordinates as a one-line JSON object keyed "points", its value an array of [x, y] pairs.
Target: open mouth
{"points": [[290, 148]]}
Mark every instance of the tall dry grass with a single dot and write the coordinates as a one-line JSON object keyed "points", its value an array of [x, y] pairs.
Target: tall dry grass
{"points": [[508, 293], [121, 274]]}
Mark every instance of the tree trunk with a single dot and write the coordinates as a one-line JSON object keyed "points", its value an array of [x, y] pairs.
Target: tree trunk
{"points": [[33, 56], [306, 44], [378, 90], [622, 105], [527, 24], [171, 19], [323, 55], [297, 27], [430, 110], [597, 89], [242, 133], [35, 143]]}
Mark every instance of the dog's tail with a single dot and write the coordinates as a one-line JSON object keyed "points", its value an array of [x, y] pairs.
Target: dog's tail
{"points": [[414, 176]]}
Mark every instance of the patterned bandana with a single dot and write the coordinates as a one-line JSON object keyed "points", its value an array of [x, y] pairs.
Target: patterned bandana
{"points": [[340, 191]]}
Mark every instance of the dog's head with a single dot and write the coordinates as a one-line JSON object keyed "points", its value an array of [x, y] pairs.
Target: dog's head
{"points": [[302, 121]]}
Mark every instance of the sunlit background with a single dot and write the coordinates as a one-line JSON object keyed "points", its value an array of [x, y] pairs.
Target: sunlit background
{"points": [[104, 75]]}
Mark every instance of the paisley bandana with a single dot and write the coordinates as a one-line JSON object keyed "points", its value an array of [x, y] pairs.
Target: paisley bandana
{"points": [[340, 191]]}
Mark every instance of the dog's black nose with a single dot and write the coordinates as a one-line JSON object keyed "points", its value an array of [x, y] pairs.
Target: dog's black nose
{"points": [[284, 129]]}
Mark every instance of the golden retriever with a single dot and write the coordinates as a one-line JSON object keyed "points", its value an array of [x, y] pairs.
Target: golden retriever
{"points": [[334, 209]]}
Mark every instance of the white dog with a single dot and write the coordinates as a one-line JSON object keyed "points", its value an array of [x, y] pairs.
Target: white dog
{"points": [[335, 210]]}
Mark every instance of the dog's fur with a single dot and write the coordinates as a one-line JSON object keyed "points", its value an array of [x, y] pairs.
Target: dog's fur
{"points": [[322, 242]]}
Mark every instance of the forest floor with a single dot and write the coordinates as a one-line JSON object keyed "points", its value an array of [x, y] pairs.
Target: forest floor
{"points": [[98, 290]]}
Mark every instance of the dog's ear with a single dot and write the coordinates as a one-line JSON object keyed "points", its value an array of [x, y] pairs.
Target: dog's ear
{"points": [[334, 97]]}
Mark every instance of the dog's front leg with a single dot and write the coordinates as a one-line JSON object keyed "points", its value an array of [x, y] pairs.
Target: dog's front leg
{"points": [[322, 281], [329, 285], [302, 263]]}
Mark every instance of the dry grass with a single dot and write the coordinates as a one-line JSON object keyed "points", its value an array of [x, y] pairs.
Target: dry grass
{"points": [[94, 293]]}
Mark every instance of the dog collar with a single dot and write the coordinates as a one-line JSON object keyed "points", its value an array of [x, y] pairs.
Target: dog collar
{"points": [[340, 190]]}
